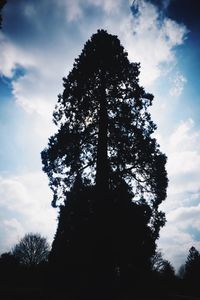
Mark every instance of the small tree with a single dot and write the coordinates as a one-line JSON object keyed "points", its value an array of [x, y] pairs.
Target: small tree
{"points": [[31, 250], [190, 272], [157, 262], [192, 265], [161, 265], [167, 270]]}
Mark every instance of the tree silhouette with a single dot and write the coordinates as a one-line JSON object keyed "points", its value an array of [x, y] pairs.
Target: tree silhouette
{"points": [[2, 3], [103, 163], [31, 250], [8, 269], [157, 262], [8, 259], [191, 272], [167, 269], [104, 127], [192, 265]]}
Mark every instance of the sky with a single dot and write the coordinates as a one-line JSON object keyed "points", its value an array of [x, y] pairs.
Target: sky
{"points": [[39, 41]]}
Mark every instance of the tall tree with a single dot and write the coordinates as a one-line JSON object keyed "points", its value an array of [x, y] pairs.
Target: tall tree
{"points": [[104, 140]]}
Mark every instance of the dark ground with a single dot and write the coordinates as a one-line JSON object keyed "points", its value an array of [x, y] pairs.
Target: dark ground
{"points": [[44, 294]]}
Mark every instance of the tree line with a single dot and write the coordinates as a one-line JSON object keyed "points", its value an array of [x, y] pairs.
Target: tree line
{"points": [[27, 264]]}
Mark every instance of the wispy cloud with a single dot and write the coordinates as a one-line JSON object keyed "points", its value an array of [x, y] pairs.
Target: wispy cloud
{"points": [[178, 84]]}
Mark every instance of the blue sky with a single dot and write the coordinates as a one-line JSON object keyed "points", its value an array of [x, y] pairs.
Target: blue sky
{"points": [[39, 41]]}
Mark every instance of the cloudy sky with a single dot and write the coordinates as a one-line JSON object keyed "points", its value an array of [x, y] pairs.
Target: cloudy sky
{"points": [[38, 43]]}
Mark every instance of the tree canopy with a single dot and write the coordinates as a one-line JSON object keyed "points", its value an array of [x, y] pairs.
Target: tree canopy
{"points": [[104, 126], [103, 154]]}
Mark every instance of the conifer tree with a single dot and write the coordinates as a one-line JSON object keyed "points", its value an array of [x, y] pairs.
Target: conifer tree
{"points": [[104, 142], [192, 265]]}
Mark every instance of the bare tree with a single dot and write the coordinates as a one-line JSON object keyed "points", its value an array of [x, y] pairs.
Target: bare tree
{"points": [[161, 265], [157, 262], [32, 249]]}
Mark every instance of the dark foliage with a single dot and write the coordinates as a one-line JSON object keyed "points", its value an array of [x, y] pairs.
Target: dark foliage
{"points": [[167, 270], [157, 262], [2, 3], [104, 127], [105, 166], [192, 265], [163, 275], [161, 265], [192, 271], [8, 259], [8, 269], [189, 274]]}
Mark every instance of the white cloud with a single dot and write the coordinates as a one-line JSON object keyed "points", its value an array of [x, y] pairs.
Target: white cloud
{"points": [[186, 216], [184, 137], [153, 42], [35, 93], [177, 236], [184, 158], [12, 56], [25, 199], [148, 38], [13, 230], [72, 9], [182, 206], [182, 149], [178, 85], [176, 244]]}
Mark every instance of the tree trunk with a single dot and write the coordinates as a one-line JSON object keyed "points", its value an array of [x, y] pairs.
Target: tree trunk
{"points": [[102, 170]]}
